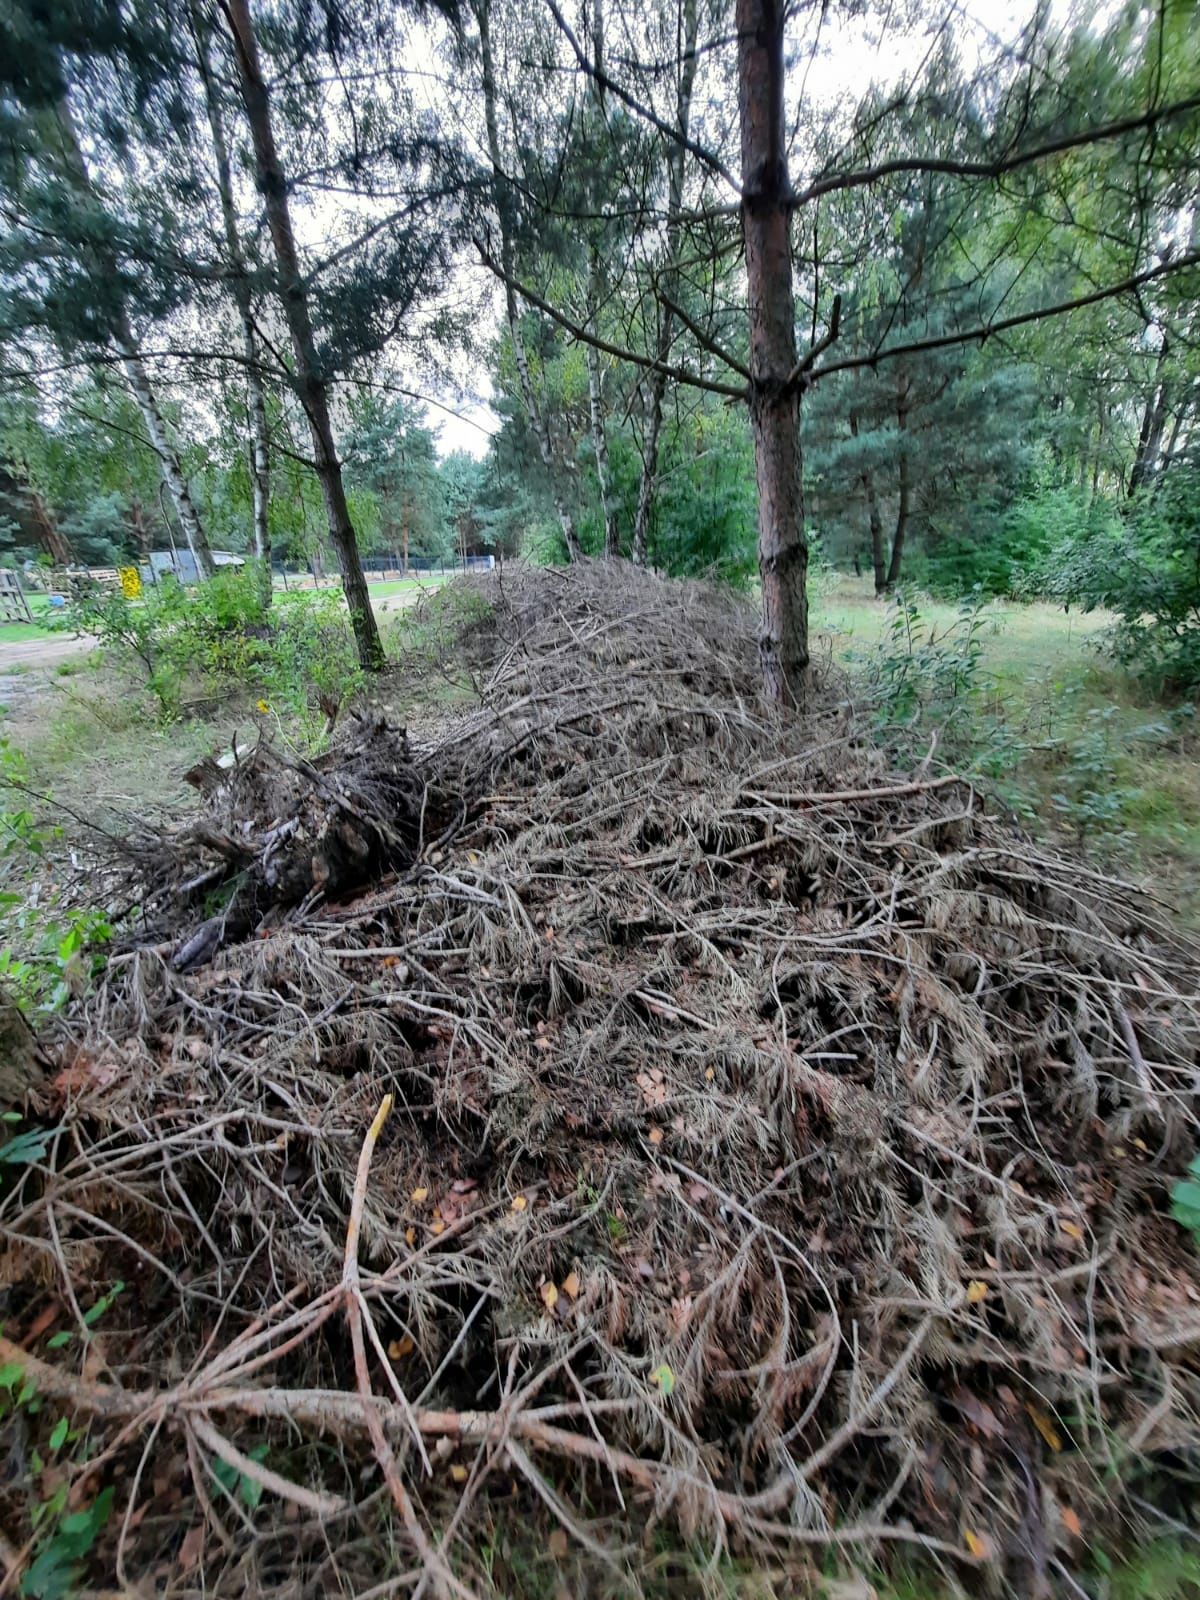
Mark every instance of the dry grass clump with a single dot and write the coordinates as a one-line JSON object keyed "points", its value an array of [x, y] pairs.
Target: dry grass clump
{"points": [[777, 1146]]}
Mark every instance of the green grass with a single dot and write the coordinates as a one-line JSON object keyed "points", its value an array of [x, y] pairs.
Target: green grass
{"points": [[15, 632], [1080, 751]]}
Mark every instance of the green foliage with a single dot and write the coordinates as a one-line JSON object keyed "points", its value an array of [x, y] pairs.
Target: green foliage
{"points": [[1146, 568], [49, 949], [1185, 1200], [296, 656], [918, 678], [62, 1537], [247, 1490]]}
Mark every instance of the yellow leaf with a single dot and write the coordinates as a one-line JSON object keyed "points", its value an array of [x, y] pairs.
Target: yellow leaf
{"points": [[1071, 1522], [1044, 1426], [458, 1472], [976, 1291], [438, 1227], [570, 1285], [410, 1236], [709, 1074], [655, 1135], [549, 1296], [519, 1202], [262, 706], [399, 1348], [1072, 1230], [419, 1196], [977, 1546], [664, 1378]]}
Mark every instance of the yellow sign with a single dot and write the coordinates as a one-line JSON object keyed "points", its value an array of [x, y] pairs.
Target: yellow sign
{"points": [[131, 582]]}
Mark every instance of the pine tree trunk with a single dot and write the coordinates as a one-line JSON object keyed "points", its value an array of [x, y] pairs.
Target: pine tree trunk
{"points": [[656, 385], [904, 503], [507, 267], [774, 402], [874, 521], [170, 465], [310, 384], [260, 471], [404, 519]]}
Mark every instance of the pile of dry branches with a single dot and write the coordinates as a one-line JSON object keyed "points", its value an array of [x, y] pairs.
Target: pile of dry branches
{"points": [[777, 1146]]}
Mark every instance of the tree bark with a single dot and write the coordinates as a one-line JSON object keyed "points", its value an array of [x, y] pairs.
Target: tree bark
{"points": [[310, 383], [260, 470], [54, 540], [904, 502], [524, 378], [874, 522], [1154, 420], [612, 531], [774, 400], [656, 383], [155, 424]]}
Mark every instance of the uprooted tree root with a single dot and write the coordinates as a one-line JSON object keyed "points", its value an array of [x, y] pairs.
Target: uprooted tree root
{"points": [[778, 1147]]}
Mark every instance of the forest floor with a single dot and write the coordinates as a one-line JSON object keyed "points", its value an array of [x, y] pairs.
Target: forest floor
{"points": [[778, 1170]]}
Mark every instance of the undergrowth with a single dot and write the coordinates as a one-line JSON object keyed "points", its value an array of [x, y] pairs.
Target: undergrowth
{"points": [[296, 656], [49, 947], [930, 691]]}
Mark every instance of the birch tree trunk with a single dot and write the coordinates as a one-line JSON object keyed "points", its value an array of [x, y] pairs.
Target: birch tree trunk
{"points": [[656, 383], [774, 399], [155, 424], [529, 398], [310, 384], [260, 470]]}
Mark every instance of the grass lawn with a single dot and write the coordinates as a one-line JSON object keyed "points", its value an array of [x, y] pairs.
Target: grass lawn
{"points": [[15, 632], [1078, 748]]}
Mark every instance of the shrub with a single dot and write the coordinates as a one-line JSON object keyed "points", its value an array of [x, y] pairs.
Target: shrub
{"points": [[296, 656], [1145, 566]]}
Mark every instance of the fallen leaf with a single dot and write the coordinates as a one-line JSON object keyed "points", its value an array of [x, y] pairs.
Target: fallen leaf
{"points": [[1071, 1229], [438, 1227], [664, 1378], [1044, 1426], [1070, 1521], [192, 1548], [557, 1544], [419, 1196], [519, 1202], [410, 1236], [655, 1136], [458, 1472], [977, 1546], [399, 1348], [709, 1074], [570, 1285], [976, 1291], [549, 1296]]}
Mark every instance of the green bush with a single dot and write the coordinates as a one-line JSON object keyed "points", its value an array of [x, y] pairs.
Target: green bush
{"points": [[296, 657], [995, 553], [1145, 566]]}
